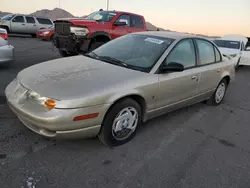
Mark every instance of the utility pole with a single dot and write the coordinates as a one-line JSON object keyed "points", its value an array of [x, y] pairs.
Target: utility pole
{"points": [[107, 4]]}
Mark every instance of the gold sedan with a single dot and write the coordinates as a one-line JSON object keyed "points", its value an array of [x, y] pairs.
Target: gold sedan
{"points": [[110, 91]]}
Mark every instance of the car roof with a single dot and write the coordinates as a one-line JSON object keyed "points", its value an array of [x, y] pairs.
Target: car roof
{"points": [[168, 34], [31, 16], [121, 12]]}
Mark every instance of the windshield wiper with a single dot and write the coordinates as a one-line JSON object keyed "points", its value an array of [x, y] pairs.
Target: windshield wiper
{"points": [[112, 60], [92, 55]]}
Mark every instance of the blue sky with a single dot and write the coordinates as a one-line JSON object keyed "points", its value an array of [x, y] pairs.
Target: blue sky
{"points": [[212, 17]]}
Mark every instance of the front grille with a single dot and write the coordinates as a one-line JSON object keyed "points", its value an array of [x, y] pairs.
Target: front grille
{"points": [[62, 27]]}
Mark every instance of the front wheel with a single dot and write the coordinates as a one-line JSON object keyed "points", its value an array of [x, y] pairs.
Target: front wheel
{"points": [[64, 53], [219, 93], [121, 123]]}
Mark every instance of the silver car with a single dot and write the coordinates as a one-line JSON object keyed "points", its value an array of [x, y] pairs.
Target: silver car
{"points": [[110, 91], [24, 24], [6, 50]]}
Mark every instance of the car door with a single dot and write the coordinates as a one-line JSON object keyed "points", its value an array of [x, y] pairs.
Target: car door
{"points": [[178, 89], [18, 24], [136, 23], [31, 25], [209, 64], [245, 55], [118, 31]]}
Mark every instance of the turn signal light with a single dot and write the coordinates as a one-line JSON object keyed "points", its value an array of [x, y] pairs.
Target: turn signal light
{"points": [[50, 103]]}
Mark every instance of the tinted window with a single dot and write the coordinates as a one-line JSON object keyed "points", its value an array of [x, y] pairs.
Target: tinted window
{"points": [[30, 20], [104, 16], [227, 44], [183, 53], [124, 17], [217, 55], [206, 51], [19, 19], [136, 21], [44, 21], [139, 52]]}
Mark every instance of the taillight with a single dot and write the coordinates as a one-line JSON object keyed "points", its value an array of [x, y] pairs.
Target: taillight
{"points": [[4, 35]]}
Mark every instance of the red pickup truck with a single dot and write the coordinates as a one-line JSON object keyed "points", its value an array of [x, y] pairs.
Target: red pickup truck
{"points": [[80, 35]]}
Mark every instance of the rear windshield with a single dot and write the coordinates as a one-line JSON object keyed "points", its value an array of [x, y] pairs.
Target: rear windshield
{"points": [[227, 44], [8, 17]]}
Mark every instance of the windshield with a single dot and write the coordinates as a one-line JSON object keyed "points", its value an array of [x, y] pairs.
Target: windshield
{"points": [[105, 16], [227, 44], [8, 17], [138, 52]]}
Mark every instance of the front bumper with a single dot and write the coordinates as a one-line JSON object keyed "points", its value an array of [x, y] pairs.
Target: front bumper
{"points": [[71, 43], [55, 123], [6, 54]]}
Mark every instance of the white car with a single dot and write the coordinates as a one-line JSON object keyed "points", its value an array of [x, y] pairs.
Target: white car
{"points": [[6, 50], [235, 47]]}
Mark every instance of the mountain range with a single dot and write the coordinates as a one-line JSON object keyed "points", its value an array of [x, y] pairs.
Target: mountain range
{"points": [[61, 13]]}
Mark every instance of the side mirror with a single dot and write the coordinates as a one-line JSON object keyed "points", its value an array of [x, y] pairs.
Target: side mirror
{"points": [[172, 67], [14, 20], [121, 22]]}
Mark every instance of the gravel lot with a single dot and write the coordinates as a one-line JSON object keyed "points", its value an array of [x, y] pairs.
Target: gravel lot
{"points": [[198, 146]]}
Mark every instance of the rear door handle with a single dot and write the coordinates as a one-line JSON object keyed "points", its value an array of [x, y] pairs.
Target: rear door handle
{"points": [[194, 78], [218, 70], [34, 25], [23, 24]]}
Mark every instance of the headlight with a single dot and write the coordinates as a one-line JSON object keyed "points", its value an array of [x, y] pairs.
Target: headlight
{"points": [[36, 98], [233, 55], [46, 32], [79, 31]]}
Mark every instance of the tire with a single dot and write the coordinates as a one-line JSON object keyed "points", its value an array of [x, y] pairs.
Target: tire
{"points": [[64, 53], [217, 99], [52, 37], [237, 65], [94, 45], [108, 134]]}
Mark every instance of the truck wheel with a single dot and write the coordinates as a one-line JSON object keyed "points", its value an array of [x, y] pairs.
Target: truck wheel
{"points": [[94, 45], [64, 53]]}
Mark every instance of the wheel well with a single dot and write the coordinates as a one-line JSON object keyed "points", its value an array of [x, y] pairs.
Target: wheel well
{"points": [[139, 99], [227, 78], [6, 27], [101, 38]]}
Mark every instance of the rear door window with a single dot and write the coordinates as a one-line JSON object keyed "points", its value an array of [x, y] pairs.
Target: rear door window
{"points": [[30, 19], [44, 21], [136, 21]]}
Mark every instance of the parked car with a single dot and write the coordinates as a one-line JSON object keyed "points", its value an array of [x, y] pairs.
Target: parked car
{"points": [[108, 92], [46, 34], [24, 24], [77, 35], [234, 45], [6, 50]]}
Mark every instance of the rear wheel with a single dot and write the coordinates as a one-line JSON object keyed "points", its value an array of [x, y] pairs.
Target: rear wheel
{"points": [[121, 123], [219, 93]]}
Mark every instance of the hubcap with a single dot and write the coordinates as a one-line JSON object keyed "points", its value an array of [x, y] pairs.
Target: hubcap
{"points": [[125, 123], [220, 92]]}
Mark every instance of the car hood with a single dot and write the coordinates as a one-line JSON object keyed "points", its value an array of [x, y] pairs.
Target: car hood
{"points": [[76, 77], [228, 51], [80, 21], [43, 30]]}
